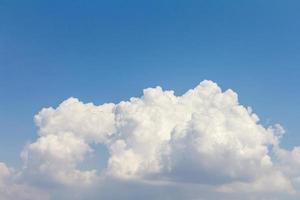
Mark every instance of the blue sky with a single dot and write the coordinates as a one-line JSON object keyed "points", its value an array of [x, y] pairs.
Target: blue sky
{"points": [[108, 51]]}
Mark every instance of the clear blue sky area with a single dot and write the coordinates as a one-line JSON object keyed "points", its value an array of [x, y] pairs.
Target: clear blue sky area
{"points": [[108, 51]]}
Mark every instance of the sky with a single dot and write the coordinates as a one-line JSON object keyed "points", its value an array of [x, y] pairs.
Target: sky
{"points": [[109, 51]]}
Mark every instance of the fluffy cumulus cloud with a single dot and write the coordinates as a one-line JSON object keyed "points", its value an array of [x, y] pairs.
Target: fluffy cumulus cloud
{"points": [[201, 145]]}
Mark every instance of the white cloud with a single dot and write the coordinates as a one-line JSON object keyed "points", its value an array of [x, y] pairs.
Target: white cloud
{"points": [[55, 157], [202, 141]]}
